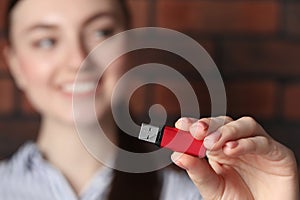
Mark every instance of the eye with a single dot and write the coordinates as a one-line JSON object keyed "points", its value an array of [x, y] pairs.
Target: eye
{"points": [[46, 43], [94, 35], [103, 33]]}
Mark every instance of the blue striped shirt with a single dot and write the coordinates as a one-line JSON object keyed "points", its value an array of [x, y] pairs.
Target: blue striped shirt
{"points": [[27, 176]]}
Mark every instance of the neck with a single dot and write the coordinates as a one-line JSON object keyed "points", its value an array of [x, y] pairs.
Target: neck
{"points": [[62, 147]]}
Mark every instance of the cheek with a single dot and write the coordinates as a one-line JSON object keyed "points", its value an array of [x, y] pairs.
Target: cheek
{"points": [[36, 75], [35, 71]]}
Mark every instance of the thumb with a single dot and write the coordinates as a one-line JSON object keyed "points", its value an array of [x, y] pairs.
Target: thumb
{"points": [[209, 184]]}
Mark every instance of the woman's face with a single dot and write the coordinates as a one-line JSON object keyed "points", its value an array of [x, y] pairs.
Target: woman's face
{"points": [[49, 39]]}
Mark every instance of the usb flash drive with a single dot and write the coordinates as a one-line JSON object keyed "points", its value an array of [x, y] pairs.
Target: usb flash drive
{"points": [[172, 138]]}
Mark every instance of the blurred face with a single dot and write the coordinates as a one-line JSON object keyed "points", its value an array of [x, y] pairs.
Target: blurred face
{"points": [[49, 41]]}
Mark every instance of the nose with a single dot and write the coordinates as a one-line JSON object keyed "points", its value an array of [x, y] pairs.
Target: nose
{"points": [[77, 54]]}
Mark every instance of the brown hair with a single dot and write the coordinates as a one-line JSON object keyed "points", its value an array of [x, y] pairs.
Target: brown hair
{"points": [[127, 186]]}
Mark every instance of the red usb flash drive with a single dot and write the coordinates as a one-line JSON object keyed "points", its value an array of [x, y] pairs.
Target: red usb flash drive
{"points": [[172, 138]]}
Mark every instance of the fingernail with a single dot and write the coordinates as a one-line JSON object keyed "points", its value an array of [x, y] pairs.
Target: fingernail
{"points": [[204, 125], [194, 129], [231, 144], [198, 128], [175, 157], [212, 139], [181, 121]]}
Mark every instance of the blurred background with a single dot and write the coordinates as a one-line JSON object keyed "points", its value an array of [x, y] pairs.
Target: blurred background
{"points": [[255, 44]]}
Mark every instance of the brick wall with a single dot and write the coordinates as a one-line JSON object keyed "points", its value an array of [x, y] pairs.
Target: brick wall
{"points": [[255, 43]]}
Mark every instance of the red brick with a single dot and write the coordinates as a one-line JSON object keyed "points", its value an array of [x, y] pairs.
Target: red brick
{"points": [[255, 98], [292, 16], [219, 16], [167, 98], [270, 57], [291, 98], [139, 10], [208, 45], [3, 65], [6, 97], [3, 4]]}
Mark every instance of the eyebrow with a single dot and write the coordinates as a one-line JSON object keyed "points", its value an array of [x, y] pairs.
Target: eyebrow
{"points": [[50, 26], [99, 15], [42, 26]]}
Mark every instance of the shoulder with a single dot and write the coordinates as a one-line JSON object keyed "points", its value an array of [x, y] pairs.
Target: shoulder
{"points": [[5, 169], [9, 177], [16, 171], [8, 168], [177, 185], [19, 162]]}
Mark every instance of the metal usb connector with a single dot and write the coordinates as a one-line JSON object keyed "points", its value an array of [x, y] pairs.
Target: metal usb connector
{"points": [[150, 133]]}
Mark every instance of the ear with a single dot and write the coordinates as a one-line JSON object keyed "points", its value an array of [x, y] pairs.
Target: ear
{"points": [[14, 66]]}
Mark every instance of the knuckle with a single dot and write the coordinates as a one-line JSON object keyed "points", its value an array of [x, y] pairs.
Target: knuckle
{"points": [[192, 120], [249, 119], [229, 130], [206, 120], [252, 123], [222, 120], [266, 141], [228, 118], [265, 144], [217, 121]]}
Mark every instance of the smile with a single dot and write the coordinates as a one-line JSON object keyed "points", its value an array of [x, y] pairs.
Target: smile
{"points": [[79, 88]]}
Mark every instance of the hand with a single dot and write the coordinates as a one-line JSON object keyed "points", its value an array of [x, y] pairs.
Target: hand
{"points": [[244, 162]]}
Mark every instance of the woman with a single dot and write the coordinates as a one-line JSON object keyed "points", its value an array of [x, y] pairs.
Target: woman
{"points": [[46, 45], [47, 41]]}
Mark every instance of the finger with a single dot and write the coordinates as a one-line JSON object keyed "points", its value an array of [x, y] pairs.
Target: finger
{"points": [[200, 172], [258, 145], [241, 128], [254, 145], [202, 127], [215, 123], [185, 123]]}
